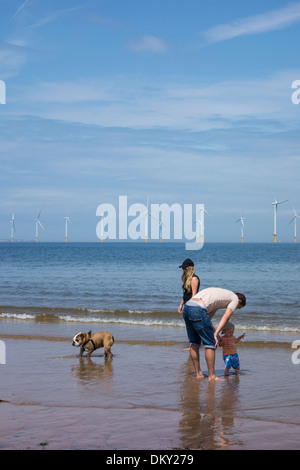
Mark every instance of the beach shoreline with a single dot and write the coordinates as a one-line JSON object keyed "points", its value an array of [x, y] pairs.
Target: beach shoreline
{"points": [[145, 398]]}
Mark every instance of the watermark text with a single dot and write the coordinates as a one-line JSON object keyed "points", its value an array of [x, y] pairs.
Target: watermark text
{"points": [[296, 354], [2, 353], [296, 94], [154, 222], [2, 92]]}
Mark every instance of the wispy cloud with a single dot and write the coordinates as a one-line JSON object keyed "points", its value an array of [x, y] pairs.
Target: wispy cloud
{"points": [[19, 9], [128, 103], [269, 21], [149, 44], [12, 59], [54, 16], [70, 92]]}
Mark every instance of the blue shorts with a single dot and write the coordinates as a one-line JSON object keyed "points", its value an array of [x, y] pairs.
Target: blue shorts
{"points": [[198, 326], [232, 360]]}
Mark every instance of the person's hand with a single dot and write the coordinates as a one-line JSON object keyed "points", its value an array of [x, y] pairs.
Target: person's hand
{"points": [[180, 309], [217, 339]]}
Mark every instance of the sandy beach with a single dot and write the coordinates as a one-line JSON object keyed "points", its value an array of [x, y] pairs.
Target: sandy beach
{"points": [[145, 397]]}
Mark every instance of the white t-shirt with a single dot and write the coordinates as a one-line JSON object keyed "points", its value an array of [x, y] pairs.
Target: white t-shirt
{"points": [[216, 298]]}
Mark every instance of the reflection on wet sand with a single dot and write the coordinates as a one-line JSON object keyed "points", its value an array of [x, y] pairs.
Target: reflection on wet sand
{"points": [[207, 410], [90, 371]]}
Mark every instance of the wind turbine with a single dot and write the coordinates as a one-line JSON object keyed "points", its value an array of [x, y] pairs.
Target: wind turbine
{"points": [[242, 227], [12, 229], [200, 213], [37, 223], [146, 213], [160, 229], [275, 204], [66, 228], [294, 219], [201, 222]]}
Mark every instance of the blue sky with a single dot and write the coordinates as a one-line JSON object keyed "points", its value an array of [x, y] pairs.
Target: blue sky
{"points": [[182, 102]]}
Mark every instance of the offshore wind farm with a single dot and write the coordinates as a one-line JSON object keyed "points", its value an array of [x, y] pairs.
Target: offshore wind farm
{"points": [[146, 216]]}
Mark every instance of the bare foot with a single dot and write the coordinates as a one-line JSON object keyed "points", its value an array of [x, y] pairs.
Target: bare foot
{"points": [[214, 378], [200, 375]]}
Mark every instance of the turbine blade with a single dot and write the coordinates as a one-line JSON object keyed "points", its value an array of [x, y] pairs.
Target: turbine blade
{"points": [[281, 202], [292, 220]]}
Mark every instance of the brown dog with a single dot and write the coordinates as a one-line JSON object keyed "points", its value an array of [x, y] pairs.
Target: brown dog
{"points": [[94, 341]]}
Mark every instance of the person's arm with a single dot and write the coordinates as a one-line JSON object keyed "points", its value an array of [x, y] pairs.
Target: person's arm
{"points": [[240, 337], [194, 286], [222, 324], [180, 307]]}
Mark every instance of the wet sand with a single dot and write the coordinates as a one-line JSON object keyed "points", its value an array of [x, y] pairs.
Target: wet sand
{"points": [[145, 397]]}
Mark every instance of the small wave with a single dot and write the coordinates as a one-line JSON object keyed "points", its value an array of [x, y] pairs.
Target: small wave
{"points": [[125, 321], [270, 328], [18, 316], [90, 319], [131, 317]]}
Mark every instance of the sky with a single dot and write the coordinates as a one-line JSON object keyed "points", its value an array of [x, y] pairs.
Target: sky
{"points": [[178, 102]]}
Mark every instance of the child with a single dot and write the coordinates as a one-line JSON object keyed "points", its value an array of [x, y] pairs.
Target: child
{"points": [[228, 343]]}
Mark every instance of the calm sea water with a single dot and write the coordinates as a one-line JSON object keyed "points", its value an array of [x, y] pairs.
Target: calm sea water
{"points": [[140, 284]]}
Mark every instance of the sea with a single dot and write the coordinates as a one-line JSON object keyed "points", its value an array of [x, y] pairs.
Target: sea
{"points": [[139, 284], [146, 396]]}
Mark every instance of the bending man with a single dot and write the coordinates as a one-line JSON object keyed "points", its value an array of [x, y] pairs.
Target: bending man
{"points": [[198, 313]]}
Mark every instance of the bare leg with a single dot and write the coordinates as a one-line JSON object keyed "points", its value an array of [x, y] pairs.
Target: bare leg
{"points": [[210, 360], [194, 353], [226, 372]]}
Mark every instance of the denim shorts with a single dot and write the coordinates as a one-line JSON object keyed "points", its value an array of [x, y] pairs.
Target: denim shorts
{"points": [[198, 326]]}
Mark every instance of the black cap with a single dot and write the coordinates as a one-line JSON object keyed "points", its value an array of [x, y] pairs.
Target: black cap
{"points": [[187, 262]]}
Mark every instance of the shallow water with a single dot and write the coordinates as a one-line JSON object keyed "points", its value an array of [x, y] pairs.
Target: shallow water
{"points": [[145, 397]]}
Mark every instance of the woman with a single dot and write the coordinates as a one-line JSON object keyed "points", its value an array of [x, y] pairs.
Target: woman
{"points": [[190, 282]]}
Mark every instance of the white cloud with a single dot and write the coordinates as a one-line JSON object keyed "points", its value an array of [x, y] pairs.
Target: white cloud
{"points": [[149, 44], [68, 92], [12, 60], [54, 16], [270, 21], [20, 9], [124, 103]]}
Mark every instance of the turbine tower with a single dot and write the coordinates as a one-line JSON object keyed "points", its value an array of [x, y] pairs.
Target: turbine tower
{"points": [[66, 228], [12, 228], [160, 230], [294, 219], [275, 204], [201, 223], [146, 213], [200, 214], [37, 223], [242, 227]]}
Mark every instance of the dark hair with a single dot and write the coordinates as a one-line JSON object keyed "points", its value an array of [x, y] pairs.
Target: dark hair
{"points": [[242, 298]]}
